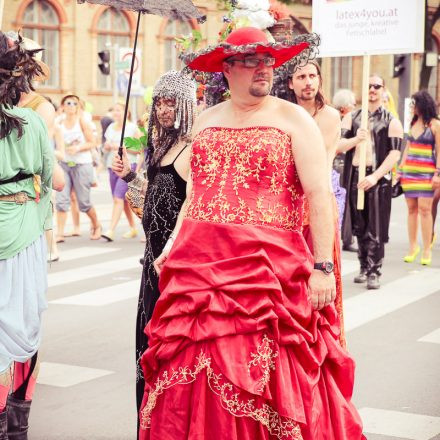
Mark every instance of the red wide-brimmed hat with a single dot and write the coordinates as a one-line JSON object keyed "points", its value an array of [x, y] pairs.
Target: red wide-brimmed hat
{"points": [[248, 40]]}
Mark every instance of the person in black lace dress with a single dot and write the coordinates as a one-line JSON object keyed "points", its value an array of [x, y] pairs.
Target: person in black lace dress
{"points": [[168, 164]]}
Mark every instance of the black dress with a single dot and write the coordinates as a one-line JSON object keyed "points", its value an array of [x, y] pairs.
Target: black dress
{"points": [[163, 200]]}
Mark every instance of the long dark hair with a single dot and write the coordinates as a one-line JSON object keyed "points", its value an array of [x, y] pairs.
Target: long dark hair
{"points": [[281, 89], [426, 107], [17, 68]]}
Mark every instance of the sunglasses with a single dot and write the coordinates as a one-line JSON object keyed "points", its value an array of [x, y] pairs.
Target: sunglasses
{"points": [[375, 86], [252, 62], [71, 103]]}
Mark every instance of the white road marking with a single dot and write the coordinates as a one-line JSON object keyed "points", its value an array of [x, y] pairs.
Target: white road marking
{"points": [[85, 251], [102, 297], [433, 337], [64, 375], [399, 424], [373, 304], [93, 271]]}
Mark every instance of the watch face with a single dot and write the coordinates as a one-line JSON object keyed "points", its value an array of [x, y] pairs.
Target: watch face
{"points": [[328, 267]]}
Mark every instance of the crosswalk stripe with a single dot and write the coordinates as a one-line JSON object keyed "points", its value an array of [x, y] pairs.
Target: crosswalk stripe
{"points": [[433, 337], [374, 304], [85, 251], [93, 271], [102, 297], [64, 375], [399, 424]]}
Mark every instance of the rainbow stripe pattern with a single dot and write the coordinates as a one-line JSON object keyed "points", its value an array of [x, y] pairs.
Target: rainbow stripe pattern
{"points": [[419, 166]]}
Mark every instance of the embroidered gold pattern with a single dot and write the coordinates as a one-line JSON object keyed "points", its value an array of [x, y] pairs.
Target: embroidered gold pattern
{"points": [[245, 176], [264, 358], [283, 428]]}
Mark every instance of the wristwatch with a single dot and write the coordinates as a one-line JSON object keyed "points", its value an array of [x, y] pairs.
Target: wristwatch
{"points": [[326, 266]]}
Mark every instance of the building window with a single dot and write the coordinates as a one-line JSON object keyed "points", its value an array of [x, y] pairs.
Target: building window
{"points": [[173, 29], [41, 24], [113, 31], [342, 70]]}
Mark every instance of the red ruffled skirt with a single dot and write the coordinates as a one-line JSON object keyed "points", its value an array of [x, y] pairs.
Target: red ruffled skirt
{"points": [[236, 351]]}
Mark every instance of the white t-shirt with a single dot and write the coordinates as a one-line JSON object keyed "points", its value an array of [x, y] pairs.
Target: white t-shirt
{"points": [[75, 135], [114, 136]]}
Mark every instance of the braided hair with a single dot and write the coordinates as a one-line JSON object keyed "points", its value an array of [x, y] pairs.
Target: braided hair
{"points": [[17, 68]]}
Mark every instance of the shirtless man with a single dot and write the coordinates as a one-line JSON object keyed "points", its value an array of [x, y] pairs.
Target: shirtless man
{"points": [[306, 87], [306, 84], [384, 140]]}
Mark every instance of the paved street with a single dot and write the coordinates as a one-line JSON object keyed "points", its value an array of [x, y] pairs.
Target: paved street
{"points": [[86, 385]]}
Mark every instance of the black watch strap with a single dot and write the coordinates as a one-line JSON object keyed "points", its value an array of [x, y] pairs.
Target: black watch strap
{"points": [[326, 267]]}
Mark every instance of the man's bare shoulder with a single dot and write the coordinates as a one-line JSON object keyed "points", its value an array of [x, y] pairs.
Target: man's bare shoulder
{"points": [[330, 113], [209, 117], [293, 113]]}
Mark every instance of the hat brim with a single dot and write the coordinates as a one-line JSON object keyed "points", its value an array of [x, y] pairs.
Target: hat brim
{"points": [[213, 61]]}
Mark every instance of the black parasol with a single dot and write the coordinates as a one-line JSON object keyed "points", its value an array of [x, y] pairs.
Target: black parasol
{"points": [[175, 9]]}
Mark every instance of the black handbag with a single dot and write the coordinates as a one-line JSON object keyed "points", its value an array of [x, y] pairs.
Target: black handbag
{"points": [[396, 190]]}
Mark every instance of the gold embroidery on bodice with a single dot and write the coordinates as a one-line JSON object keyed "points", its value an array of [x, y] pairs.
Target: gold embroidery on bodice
{"points": [[245, 176]]}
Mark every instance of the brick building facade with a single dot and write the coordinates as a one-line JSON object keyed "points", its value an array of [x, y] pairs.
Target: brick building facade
{"points": [[74, 34]]}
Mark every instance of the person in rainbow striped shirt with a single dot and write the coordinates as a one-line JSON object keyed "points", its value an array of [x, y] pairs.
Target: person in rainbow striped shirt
{"points": [[419, 173]]}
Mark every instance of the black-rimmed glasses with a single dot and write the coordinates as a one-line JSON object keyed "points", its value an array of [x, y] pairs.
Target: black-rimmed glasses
{"points": [[252, 62]]}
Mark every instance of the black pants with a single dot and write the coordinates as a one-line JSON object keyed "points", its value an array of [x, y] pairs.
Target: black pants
{"points": [[366, 227]]}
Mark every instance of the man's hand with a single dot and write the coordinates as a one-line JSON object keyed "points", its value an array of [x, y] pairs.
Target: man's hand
{"points": [[161, 260], [361, 135], [322, 289], [121, 167], [368, 182]]}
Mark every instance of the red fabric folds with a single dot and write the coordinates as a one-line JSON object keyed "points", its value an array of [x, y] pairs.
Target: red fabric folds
{"points": [[236, 351]]}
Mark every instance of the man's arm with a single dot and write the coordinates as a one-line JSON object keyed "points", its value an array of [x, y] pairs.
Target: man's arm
{"points": [[347, 141], [311, 163], [331, 130], [395, 130]]}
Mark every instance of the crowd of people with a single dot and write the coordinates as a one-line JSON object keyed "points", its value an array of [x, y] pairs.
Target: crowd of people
{"points": [[245, 207]]}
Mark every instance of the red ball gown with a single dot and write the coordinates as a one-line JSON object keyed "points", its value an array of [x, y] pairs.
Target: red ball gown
{"points": [[236, 351]]}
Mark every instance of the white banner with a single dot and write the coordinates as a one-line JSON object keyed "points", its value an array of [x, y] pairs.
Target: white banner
{"points": [[374, 27]]}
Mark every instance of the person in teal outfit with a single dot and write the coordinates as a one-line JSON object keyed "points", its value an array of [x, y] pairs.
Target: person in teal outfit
{"points": [[26, 166]]}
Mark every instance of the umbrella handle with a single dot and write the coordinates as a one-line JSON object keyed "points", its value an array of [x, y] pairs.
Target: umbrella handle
{"points": [[127, 99]]}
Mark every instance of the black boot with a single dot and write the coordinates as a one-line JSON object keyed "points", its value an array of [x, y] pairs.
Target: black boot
{"points": [[362, 277], [18, 415], [373, 281], [3, 426]]}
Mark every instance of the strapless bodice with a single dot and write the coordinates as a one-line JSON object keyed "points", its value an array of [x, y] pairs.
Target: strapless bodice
{"points": [[245, 176]]}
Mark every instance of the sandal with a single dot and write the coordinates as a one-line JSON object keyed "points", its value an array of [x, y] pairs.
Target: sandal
{"points": [[95, 233], [60, 239]]}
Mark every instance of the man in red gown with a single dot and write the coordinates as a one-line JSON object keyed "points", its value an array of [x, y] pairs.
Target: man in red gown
{"points": [[243, 343]]}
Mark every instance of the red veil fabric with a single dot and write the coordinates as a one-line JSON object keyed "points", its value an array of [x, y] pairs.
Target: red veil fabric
{"points": [[235, 350]]}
